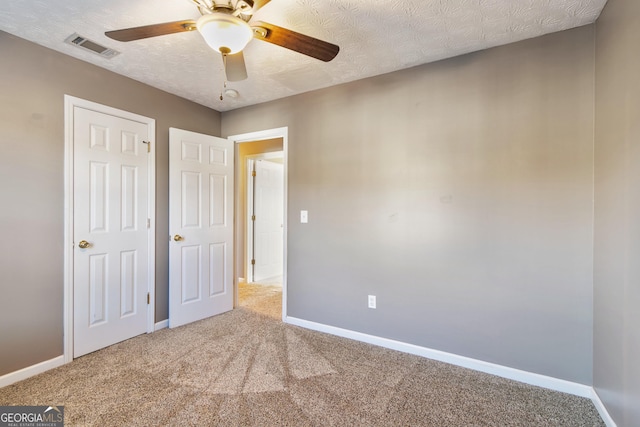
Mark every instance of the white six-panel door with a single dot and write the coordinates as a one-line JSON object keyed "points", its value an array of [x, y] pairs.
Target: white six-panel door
{"points": [[201, 226], [110, 229], [269, 220]]}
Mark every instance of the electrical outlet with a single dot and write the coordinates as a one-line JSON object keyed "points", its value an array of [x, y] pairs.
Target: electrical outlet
{"points": [[372, 301]]}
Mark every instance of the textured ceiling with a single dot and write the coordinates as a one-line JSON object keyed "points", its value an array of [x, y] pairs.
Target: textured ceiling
{"points": [[375, 37]]}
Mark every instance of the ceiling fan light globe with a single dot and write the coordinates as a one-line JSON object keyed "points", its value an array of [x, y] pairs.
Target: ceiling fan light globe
{"points": [[224, 33]]}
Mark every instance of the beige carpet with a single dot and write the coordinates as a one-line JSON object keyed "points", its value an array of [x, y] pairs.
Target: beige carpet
{"points": [[247, 368]]}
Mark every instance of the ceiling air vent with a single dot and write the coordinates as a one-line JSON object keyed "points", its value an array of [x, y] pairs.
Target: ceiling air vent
{"points": [[77, 40]]}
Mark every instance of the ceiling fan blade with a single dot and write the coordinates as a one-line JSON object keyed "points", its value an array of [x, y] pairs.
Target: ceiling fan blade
{"points": [[234, 67], [137, 33], [289, 39]]}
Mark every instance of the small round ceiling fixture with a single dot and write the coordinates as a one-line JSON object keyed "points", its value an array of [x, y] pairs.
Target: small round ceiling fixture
{"points": [[231, 93]]}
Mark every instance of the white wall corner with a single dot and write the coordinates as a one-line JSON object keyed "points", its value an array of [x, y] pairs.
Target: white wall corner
{"points": [[602, 410]]}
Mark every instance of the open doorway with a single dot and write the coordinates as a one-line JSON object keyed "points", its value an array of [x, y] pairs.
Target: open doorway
{"points": [[257, 243]]}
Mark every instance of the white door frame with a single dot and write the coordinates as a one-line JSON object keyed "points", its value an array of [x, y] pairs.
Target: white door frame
{"points": [[283, 133], [248, 246], [70, 103]]}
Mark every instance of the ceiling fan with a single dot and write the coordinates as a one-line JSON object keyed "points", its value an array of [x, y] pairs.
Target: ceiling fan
{"points": [[227, 28]]}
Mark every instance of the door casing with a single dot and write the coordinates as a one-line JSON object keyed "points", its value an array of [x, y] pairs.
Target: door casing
{"points": [[70, 103]]}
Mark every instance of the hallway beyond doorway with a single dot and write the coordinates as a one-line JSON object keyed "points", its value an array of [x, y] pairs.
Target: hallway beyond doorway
{"points": [[262, 298]]}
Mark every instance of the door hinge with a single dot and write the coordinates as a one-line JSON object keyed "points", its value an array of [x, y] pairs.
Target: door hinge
{"points": [[253, 173], [253, 217], [148, 298], [148, 145], [148, 222], [253, 262]]}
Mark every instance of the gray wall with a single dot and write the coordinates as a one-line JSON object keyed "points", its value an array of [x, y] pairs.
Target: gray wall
{"points": [[33, 81], [460, 193], [617, 212]]}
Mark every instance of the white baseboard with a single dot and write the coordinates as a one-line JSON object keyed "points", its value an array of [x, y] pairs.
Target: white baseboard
{"points": [[161, 325], [604, 414], [454, 359], [29, 371]]}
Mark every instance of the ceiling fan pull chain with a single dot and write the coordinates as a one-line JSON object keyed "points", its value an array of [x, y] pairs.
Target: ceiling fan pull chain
{"points": [[225, 82]]}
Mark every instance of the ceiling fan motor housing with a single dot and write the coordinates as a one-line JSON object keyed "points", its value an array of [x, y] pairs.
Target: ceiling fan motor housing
{"points": [[241, 7]]}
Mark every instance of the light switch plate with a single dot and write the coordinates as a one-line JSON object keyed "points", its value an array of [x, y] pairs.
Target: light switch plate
{"points": [[304, 217], [372, 301]]}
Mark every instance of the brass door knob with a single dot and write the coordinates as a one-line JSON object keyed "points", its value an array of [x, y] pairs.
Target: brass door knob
{"points": [[83, 244], [178, 237]]}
